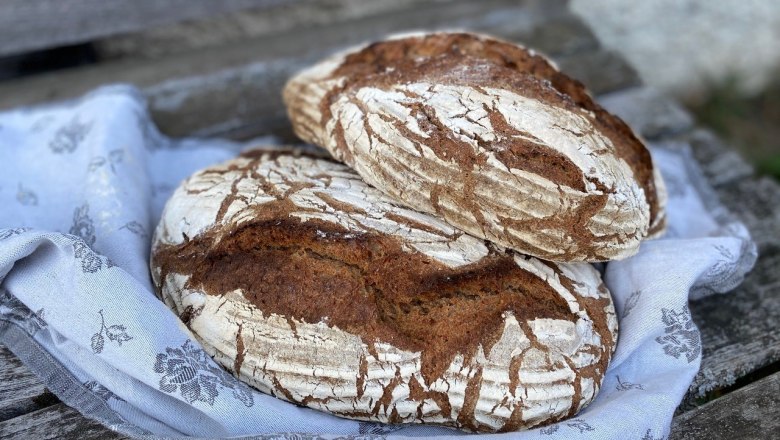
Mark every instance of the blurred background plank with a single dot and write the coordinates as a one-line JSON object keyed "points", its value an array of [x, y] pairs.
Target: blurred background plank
{"points": [[41, 24], [233, 88]]}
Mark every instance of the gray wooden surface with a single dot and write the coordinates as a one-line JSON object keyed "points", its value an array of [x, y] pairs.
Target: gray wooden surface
{"points": [[58, 421], [21, 392], [232, 89], [39, 24], [752, 412], [225, 29]]}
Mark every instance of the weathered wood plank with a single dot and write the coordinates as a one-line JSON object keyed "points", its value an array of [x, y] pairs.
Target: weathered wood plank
{"points": [[234, 91], [747, 413], [297, 43], [566, 34], [739, 333], [39, 24], [225, 29], [55, 422], [20, 390]]}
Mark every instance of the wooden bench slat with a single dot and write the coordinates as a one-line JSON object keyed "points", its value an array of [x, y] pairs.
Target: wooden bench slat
{"points": [[21, 391], [516, 17], [235, 90], [567, 36], [56, 422], [41, 24], [747, 413]]}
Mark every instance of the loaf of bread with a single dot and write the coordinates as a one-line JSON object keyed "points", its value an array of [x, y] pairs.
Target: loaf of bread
{"points": [[312, 286], [488, 136]]}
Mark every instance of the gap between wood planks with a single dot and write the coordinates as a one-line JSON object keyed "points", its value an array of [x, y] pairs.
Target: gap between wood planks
{"points": [[748, 413]]}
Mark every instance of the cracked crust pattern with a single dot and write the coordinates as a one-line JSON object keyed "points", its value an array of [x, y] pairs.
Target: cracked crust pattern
{"points": [[489, 137], [316, 288]]}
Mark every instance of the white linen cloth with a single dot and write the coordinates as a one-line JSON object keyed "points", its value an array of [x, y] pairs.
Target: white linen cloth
{"points": [[82, 185]]}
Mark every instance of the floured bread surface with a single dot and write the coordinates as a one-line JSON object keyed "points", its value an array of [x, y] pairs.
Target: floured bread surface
{"points": [[314, 287], [488, 136]]}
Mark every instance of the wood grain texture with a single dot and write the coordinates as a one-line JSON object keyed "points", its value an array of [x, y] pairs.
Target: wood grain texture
{"points": [[225, 29], [20, 390], [56, 422], [747, 413], [721, 164], [41, 24], [488, 357]]}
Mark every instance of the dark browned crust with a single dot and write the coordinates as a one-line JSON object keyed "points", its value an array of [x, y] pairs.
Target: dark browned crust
{"points": [[368, 285], [472, 60]]}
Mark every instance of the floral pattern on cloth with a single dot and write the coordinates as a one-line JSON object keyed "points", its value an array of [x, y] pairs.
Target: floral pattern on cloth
{"points": [[10, 232], [112, 161], [623, 385], [69, 136], [26, 196], [575, 426], [91, 262], [681, 338], [191, 372], [377, 428], [83, 226], [716, 279], [116, 333], [632, 301], [136, 228]]}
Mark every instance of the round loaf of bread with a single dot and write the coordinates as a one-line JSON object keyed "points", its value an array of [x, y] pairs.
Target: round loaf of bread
{"points": [[312, 286], [488, 136]]}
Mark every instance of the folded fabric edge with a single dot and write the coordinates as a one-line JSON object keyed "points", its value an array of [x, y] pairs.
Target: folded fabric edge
{"points": [[62, 382]]}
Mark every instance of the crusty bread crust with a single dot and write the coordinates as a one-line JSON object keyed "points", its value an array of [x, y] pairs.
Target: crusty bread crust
{"points": [[487, 135], [315, 287]]}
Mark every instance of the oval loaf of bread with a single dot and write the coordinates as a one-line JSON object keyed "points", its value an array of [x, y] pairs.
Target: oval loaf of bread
{"points": [[488, 136], [312, 286]]}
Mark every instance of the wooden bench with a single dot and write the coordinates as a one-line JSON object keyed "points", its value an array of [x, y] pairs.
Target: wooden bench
{"points": [[229, 86]]}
